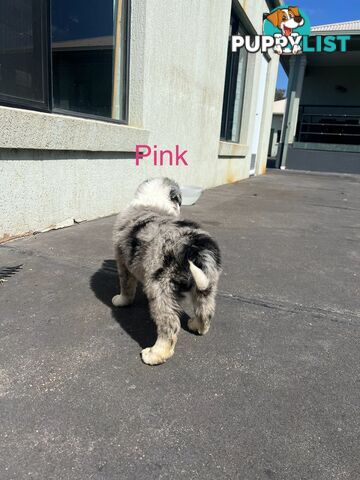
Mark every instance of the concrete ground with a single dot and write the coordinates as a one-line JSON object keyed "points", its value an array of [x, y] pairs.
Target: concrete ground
{"points": [[272, 392]]}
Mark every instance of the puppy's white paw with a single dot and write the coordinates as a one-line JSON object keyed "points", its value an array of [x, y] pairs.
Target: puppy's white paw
{"points": [[159, 352], [296, 49], [152, 356], [121, 301], [196, 326], [278, 49]]}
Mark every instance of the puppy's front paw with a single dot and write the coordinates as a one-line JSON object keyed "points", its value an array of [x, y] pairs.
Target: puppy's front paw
{"points": [[296, 49], [197, 326], [121, 301], [152, 356], [278, 49]]}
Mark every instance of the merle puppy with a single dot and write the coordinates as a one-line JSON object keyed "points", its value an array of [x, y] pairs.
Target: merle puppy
{"points": [[170, 257]]}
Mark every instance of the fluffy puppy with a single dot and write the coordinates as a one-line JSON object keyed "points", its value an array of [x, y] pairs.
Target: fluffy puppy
{"points": [[170, 257]]}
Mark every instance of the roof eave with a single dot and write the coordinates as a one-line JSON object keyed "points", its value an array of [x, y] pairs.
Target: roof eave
{"points": [[334, 32]]}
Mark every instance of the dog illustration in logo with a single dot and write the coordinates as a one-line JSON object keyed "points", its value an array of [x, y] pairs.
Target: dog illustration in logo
{"points": [[286, 20]]}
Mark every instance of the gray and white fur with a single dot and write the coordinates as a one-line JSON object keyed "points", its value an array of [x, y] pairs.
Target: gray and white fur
{"points": [[170, 257]]}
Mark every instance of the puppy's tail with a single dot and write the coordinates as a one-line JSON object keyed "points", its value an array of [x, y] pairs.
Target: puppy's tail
{"points": [[201, 280]]}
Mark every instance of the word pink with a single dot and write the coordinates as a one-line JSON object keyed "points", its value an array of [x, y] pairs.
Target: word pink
{"points": [[160, 156]]}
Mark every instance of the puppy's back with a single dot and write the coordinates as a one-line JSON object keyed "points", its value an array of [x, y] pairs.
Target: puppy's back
{"points": [[162, 248]]}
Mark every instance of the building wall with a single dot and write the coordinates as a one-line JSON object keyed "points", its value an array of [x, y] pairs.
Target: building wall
{"points": [[193, 85], [59, 187], [319, 87], [187, 78], [234, 159], [316, 160], [55, 168], [267, 115]]}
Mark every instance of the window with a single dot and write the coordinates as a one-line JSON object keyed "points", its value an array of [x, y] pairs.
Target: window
{"points": [[234, 86], [88, 47], [23, 54], [88, 58]]}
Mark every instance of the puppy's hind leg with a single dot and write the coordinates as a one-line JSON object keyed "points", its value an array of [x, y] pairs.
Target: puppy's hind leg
{"points": [[164, 311], [127, 284], [204, 309]]}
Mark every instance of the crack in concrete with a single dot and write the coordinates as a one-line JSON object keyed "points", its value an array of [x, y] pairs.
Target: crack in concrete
{"points": [[331, 314], [338, 207]]}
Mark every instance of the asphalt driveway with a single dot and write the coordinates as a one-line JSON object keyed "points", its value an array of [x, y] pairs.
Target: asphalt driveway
{"points": [[272, 392]]}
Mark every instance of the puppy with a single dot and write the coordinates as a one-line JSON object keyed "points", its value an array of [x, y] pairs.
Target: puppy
{"points": [[170, 257]]}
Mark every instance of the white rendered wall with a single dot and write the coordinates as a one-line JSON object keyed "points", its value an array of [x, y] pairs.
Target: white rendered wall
{"points": [[185, 61]]}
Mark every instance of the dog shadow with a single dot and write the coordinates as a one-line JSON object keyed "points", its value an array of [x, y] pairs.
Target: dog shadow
{"points": [[134, 319]]}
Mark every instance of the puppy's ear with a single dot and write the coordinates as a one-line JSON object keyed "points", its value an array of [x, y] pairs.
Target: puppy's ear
{"points": [[275, 18], [175, 196], [295, 11]]}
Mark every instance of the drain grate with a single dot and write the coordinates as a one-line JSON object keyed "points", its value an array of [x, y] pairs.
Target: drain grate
{"points": [[7, 272]]}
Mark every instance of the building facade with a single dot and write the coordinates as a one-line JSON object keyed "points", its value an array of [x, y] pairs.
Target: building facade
{"points": [[321, 127], [83, 83]]}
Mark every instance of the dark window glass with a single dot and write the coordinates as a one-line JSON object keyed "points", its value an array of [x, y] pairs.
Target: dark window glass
{"points": [[234, 86], [23, 65], [89, 56]]}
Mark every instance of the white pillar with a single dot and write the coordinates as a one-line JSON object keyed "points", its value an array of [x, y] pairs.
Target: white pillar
{"points": [[293, 94]]}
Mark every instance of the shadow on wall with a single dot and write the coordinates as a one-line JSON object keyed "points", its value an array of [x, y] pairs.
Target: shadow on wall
{"points": [[135, 319]]}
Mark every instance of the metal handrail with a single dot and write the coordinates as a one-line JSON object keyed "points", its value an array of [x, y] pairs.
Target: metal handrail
{"points": [[333, 124], [330, 134], [330, 115], [303, 105], [310, 125]]}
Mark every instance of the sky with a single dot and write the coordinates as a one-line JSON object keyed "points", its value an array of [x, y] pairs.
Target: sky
{"points": [[321, 12]]}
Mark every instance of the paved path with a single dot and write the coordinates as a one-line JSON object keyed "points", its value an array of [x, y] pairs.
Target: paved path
{"points": [[272, 392]]}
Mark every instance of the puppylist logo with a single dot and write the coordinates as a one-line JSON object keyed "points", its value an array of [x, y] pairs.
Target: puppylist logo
{"points": [[287, 26], [287, 30]]}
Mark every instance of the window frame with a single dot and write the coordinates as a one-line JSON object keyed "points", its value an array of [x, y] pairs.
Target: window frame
{"points": [[233, 81], [47, 75]]}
